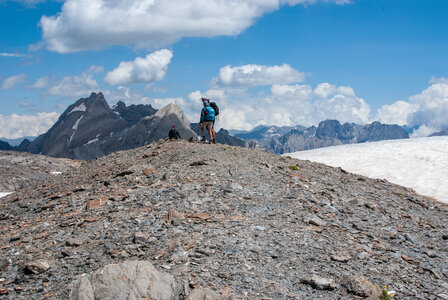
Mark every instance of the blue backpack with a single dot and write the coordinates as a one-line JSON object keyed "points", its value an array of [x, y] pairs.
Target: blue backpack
{"points": [[209, 113]]}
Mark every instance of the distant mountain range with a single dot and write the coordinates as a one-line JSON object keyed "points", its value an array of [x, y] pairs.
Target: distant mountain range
{"points": [[89, 128], [328, 133], [440, 133]]}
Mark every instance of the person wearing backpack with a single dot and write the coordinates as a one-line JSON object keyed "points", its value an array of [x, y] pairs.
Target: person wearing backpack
{"points": [[207, 121]]}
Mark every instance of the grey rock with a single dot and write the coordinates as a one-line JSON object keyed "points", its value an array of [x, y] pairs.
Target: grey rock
{"points": [[37, 267], [74, 242], [201, 293], [127, 280], [319, 282], [341, 257]]}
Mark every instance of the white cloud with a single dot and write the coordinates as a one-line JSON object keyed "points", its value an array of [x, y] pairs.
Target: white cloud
{"points": [[256, 75], [93, 24], [432, 107], [74, 86], [396, 113], [14, 80], [161, 102], [340, 103], [233, 118], [12, 55], [150, 69], [41, 83], [16, 126], [429, 109]]}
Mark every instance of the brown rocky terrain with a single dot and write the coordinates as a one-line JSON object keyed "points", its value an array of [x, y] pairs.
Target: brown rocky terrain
{"points": [[245, 224]]}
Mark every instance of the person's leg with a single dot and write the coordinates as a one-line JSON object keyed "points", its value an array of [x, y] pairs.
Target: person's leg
{"points": [[209, 129], [202, 131], [213, 133]]}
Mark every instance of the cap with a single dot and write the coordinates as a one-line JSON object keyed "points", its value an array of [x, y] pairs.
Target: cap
{"points": [[204, 99]]}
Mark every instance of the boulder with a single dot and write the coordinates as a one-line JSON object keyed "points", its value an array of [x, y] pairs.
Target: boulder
{"points": [[127, 280]]}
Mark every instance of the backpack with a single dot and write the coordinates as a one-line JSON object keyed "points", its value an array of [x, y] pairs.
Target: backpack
{"points": [[215, 107], [209, 113]]}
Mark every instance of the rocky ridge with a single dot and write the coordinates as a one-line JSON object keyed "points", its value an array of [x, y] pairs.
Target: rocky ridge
{"points": [[20, 169], [244, 223]]}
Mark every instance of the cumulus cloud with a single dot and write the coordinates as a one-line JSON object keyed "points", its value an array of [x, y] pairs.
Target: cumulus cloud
{"points": [[149, 69], [13, 81], [256, 75], [396, 113], [427, 110], [93, 24], [74, 86], [16, 126]]}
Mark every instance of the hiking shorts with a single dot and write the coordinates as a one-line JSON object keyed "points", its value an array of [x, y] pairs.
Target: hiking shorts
{"points": [[208, 125]]}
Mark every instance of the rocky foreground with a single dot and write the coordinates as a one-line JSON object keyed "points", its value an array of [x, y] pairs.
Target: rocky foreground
{"points": [[242, 223]]}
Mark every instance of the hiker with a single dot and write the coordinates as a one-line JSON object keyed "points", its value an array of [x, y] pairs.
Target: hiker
{"points": [[207, 121], [174, 134]]}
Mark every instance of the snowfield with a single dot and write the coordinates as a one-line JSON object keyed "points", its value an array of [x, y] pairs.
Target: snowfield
{"points": [[418, 163]]}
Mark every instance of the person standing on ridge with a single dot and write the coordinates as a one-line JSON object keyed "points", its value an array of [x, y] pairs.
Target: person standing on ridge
{"points": [[207, 120]]}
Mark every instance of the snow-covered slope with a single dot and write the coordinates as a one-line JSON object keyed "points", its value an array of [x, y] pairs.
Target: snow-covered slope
{"points": [[420, 163]]}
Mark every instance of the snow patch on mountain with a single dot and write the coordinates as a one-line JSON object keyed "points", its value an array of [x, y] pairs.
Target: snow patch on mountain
{"points": [[80, 107]]}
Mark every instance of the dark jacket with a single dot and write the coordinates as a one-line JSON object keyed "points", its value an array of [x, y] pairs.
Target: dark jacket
{"points": [[174, 134]]}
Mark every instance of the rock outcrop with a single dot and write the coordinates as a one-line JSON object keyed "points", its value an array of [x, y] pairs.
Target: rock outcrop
{"points": [[243, 223]]}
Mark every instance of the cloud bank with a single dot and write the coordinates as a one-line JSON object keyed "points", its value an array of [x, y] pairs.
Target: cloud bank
{"points": [[94, 24]]}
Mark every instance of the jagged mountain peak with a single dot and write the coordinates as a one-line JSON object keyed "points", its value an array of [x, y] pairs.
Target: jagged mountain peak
{"points": [[175, 109]]}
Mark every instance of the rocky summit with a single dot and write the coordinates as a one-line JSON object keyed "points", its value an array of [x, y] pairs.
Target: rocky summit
{"points": [[203, 221]]}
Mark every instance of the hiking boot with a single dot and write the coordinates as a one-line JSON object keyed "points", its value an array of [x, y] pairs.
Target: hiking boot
{"points": [[203, 139], [214, 141]]}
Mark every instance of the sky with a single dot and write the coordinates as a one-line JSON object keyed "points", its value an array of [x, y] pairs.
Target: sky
{"points": [[264, 62], [418, 163]]}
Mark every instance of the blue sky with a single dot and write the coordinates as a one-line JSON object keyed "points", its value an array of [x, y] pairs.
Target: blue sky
{"points": [[280, 62]]}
